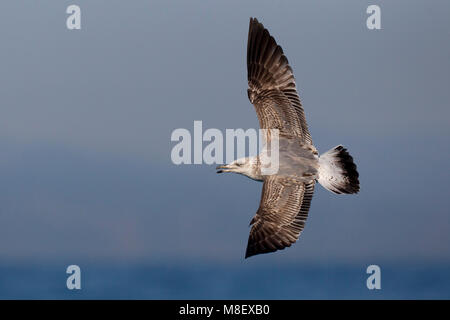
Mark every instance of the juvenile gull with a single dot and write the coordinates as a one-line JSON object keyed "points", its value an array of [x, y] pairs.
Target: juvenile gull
{"points": [[286, 195]]}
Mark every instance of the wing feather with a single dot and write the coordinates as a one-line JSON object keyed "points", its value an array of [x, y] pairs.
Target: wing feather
{"points": [[272, 89], [281, 216]]}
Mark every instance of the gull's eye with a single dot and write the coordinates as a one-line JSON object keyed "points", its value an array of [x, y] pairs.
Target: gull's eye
{"points": [[238, 164]]}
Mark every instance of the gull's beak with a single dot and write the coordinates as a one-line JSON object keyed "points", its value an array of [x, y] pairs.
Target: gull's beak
{"points": [[219, 168]]}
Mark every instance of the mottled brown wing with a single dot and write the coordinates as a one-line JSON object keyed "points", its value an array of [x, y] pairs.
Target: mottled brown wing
{"points": [[272, 89], [281, 216]]}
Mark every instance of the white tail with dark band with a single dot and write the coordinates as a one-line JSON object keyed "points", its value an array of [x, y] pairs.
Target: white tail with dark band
{"points": [[337, 171]]}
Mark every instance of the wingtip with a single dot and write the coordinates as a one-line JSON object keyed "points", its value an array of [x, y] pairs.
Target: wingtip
{"points": [[249, 252], [255, 23]]}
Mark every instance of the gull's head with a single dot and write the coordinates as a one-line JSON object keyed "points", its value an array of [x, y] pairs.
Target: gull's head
{"points": [[237, 166], [246, 166]]}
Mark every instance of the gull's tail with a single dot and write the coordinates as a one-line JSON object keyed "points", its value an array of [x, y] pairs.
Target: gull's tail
{"points": [[337, 171]]}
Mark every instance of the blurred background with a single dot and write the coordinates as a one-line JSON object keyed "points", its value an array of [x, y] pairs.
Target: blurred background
{"points": [[86, 176]]}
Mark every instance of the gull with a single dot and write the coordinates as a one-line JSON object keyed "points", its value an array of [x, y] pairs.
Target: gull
{"points": [[287, 194]]}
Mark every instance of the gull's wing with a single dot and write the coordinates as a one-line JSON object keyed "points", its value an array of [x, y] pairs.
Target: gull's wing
{"points": [[281, 215], [272, 88]]}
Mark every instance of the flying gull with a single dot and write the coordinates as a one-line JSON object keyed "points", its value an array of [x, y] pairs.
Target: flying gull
{"points": [[286, 195]]}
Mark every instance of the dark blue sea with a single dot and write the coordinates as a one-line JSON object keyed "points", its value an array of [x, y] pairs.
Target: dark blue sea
{"points": [[211, 281]]}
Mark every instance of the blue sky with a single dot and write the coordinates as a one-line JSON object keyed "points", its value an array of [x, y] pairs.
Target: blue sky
{"points": [[86, 118]]}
